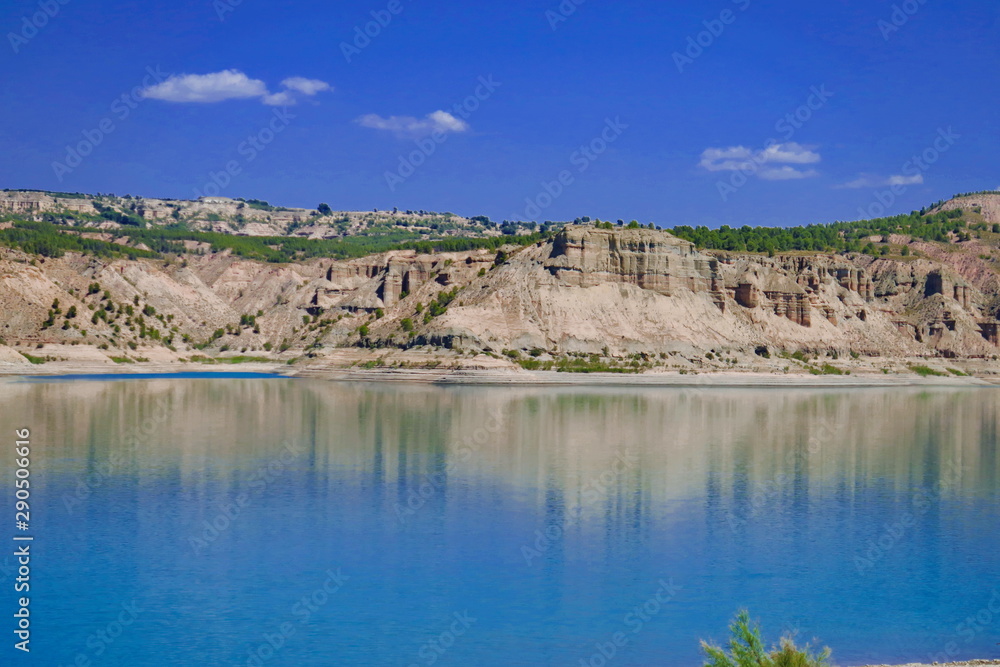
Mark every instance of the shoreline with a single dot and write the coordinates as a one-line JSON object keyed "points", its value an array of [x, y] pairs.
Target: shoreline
{"points": [[963, 663], [506, 377]]}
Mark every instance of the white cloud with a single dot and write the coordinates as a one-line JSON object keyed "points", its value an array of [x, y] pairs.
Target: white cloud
{"points": [[230, 84], [439, 121], [282, 99], [785, 173], [726, 159], [791, 153], [916, 179], [306, 86], [872, 181], [741, 158]]}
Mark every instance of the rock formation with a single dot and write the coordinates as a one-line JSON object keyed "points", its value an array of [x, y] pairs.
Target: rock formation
{"points": [[588, 289]]}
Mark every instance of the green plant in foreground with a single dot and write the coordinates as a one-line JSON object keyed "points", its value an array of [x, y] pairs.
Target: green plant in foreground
{"points": [[746, 649]]}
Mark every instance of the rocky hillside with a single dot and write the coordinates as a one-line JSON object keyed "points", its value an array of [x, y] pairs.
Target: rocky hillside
{"points": [[250, 217], [586, 297]]}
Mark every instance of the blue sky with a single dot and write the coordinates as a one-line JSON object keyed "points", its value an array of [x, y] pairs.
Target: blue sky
{"points": [[670, 112]]}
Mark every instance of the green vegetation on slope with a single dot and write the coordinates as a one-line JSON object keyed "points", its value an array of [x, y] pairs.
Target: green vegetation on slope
{"points": [[49, 240], [835, 237]]}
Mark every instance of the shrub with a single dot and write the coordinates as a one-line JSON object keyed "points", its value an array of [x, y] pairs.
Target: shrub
{"points": [[924, 371], [746, 649]]}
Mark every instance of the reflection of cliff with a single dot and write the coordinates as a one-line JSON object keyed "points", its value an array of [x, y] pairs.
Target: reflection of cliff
{"points": [[685, 443]]}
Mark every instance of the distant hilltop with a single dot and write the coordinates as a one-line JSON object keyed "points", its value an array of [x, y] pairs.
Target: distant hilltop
{"points": [[248, 217]]}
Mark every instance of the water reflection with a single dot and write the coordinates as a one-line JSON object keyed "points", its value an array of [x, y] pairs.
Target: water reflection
{"points": [[551, 511]]}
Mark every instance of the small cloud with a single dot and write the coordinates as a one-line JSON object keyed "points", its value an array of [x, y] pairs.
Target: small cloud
{"points": [[306, 86], [791, 153], [726, 159], [282, 99], [916, 179], [860, 182], [439, 121], [872, 181], [230, 84], [741, 158], [786, 173]]}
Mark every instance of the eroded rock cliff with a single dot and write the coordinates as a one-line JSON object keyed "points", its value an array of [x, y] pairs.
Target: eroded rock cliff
{"points": [[588, 290]]}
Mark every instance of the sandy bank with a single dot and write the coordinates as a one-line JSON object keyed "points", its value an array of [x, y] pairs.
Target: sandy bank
{"points": [[507, 377]]}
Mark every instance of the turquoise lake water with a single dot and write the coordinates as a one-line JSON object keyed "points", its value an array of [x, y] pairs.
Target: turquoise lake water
{"points": [[248, 521]]}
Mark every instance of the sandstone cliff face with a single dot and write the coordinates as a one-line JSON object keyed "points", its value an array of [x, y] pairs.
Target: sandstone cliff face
{"points": [[642, 290], [588, 289], [585, 257]]}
